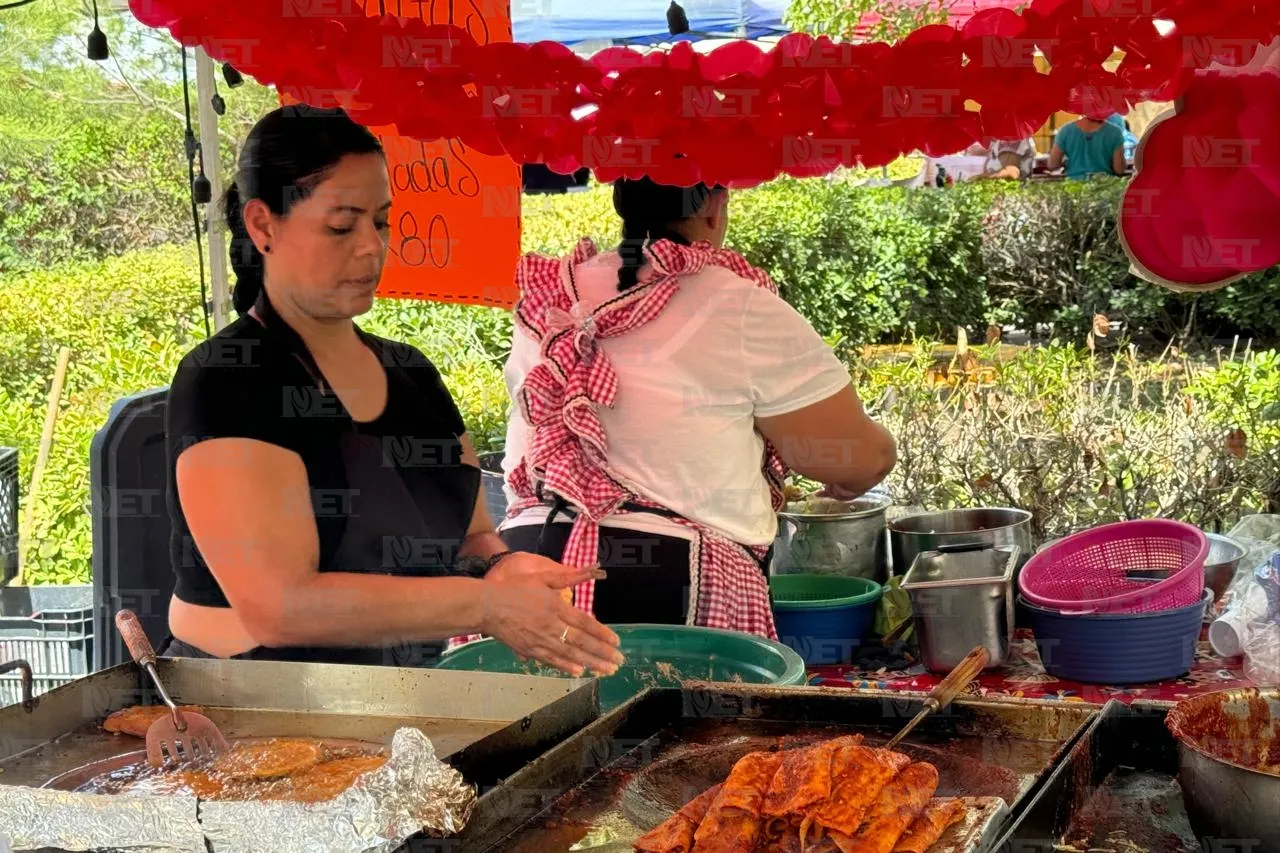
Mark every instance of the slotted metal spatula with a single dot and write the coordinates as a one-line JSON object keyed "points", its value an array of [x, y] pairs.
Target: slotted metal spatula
{"points": [[180, 735]]}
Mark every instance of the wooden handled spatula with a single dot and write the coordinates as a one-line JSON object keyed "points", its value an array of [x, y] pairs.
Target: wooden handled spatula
{"points": [[180, 735]]}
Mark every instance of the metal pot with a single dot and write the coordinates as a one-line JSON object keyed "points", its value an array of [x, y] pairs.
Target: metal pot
{"points": [[1225, 799], [833, 537], [913, 535]]}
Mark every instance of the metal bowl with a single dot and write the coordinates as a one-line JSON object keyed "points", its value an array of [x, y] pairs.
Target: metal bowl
{"points": [[993, 527], [1220, 566], [1220, 735]]}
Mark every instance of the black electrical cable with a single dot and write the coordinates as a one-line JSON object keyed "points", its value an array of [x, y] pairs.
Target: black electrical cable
{"points": [[189, 143]]}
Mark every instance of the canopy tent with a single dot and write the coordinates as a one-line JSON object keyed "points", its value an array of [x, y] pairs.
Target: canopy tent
{"points": [[590, 23], [642, 22]]}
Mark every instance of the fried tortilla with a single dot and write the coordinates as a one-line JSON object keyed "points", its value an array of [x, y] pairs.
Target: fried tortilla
{"points": [[899, 804], [675, 834], [804, 778], [269, 759], [330, 778], [733, 822], [939, 814], [860, 773], [135, 720]]}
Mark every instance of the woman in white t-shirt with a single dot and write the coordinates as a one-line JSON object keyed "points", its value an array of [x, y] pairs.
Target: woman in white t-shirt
{"points": [[662, 392]]}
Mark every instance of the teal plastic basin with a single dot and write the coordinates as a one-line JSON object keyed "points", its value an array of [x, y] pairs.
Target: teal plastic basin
{"points": [[657, 656]]}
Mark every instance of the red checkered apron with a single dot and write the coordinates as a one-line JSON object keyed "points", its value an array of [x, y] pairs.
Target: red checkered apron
{"points": [[568, 452]]}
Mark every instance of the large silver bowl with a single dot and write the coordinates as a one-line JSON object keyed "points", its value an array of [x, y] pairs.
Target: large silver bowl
{"points": [[1220, 739]]}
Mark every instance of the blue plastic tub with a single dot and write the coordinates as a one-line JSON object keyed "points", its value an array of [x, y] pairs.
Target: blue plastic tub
{"points": [[1117, 648], [824, 618]]}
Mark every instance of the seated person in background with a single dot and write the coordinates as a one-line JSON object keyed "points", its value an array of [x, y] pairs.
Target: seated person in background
{"points": [[1010, 159], [1090, 146]]}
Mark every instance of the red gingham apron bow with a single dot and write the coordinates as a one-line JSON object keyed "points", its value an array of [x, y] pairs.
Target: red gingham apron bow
{"points": [[568, 449]]}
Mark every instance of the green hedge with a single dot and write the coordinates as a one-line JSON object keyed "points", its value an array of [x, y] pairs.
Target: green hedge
{"points": [[877, 264]]}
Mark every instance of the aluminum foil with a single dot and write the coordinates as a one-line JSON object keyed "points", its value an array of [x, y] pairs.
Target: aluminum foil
{"points": [[32, 818], [412, 792]]}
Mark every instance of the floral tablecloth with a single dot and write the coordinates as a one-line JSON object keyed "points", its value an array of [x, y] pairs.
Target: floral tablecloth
{"points": [[1024, 676]]}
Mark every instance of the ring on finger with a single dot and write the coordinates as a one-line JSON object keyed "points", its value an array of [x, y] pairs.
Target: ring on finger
{"points": [[564, 636]]}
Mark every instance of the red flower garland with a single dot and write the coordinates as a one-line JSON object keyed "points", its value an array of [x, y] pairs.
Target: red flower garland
{"points": [[737, 116]]}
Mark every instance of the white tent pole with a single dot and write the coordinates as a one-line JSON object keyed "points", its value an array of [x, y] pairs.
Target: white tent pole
{"points": [[217, 241]]}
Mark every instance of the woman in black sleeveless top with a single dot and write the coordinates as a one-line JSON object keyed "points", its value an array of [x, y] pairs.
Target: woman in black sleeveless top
{"points": [[324, 494]]}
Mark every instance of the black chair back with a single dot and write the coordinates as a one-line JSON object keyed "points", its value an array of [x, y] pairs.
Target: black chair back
{"points": [[128, 476]]}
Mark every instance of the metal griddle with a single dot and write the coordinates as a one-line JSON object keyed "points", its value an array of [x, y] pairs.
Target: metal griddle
{"points": [[632, 768], [486, 725], [1115, 792]]}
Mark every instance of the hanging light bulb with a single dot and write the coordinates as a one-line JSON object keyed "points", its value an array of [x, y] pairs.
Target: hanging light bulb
{"points": [[201, 189], [231, 75], [97, 46], [677, 20], [219, 105]]}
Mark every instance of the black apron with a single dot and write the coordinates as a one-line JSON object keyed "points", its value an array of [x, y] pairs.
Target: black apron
{"points": [[398, 518]]}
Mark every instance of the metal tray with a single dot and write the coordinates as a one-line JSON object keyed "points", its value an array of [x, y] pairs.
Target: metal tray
{"points": [[486, 725], [632, 768], [1115, 792]]}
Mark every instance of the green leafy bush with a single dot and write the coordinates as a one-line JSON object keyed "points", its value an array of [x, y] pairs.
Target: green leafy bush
{"points": [[882, 264], [1052, 256], [1080, 441]]}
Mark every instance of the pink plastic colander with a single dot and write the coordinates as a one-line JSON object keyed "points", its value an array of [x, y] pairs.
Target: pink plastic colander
{"points": [[1129, 567]]}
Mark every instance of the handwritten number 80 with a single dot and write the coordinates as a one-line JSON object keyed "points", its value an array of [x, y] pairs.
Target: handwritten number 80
{"points": [[414, 251]]}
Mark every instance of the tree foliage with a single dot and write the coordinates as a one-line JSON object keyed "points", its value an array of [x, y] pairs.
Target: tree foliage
{"points": [[92, 161], [882, 20]]}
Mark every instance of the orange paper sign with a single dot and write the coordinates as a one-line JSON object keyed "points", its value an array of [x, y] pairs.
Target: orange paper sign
{"points": [[455, 218]]}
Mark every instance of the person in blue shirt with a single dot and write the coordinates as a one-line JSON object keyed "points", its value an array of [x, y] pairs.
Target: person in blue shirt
{"points": [[1090, 145]]}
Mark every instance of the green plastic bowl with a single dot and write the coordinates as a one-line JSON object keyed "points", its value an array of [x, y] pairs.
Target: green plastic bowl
{"points": [[820, 591], [823, 618], [657, 656]]}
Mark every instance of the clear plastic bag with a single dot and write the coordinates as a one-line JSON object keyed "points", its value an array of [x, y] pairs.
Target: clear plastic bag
{"points": [[1249, 623]]}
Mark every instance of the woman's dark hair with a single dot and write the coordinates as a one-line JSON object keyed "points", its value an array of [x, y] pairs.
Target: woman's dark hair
{"points": [[286, 156], [649, 213]]}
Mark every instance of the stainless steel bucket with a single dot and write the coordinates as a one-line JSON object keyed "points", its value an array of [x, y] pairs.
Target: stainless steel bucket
{"points": [[833, 537], [912, 535]]}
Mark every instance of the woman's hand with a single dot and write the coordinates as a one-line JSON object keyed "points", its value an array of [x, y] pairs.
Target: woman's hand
{"points": [[837, 492], [524, 608]]}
